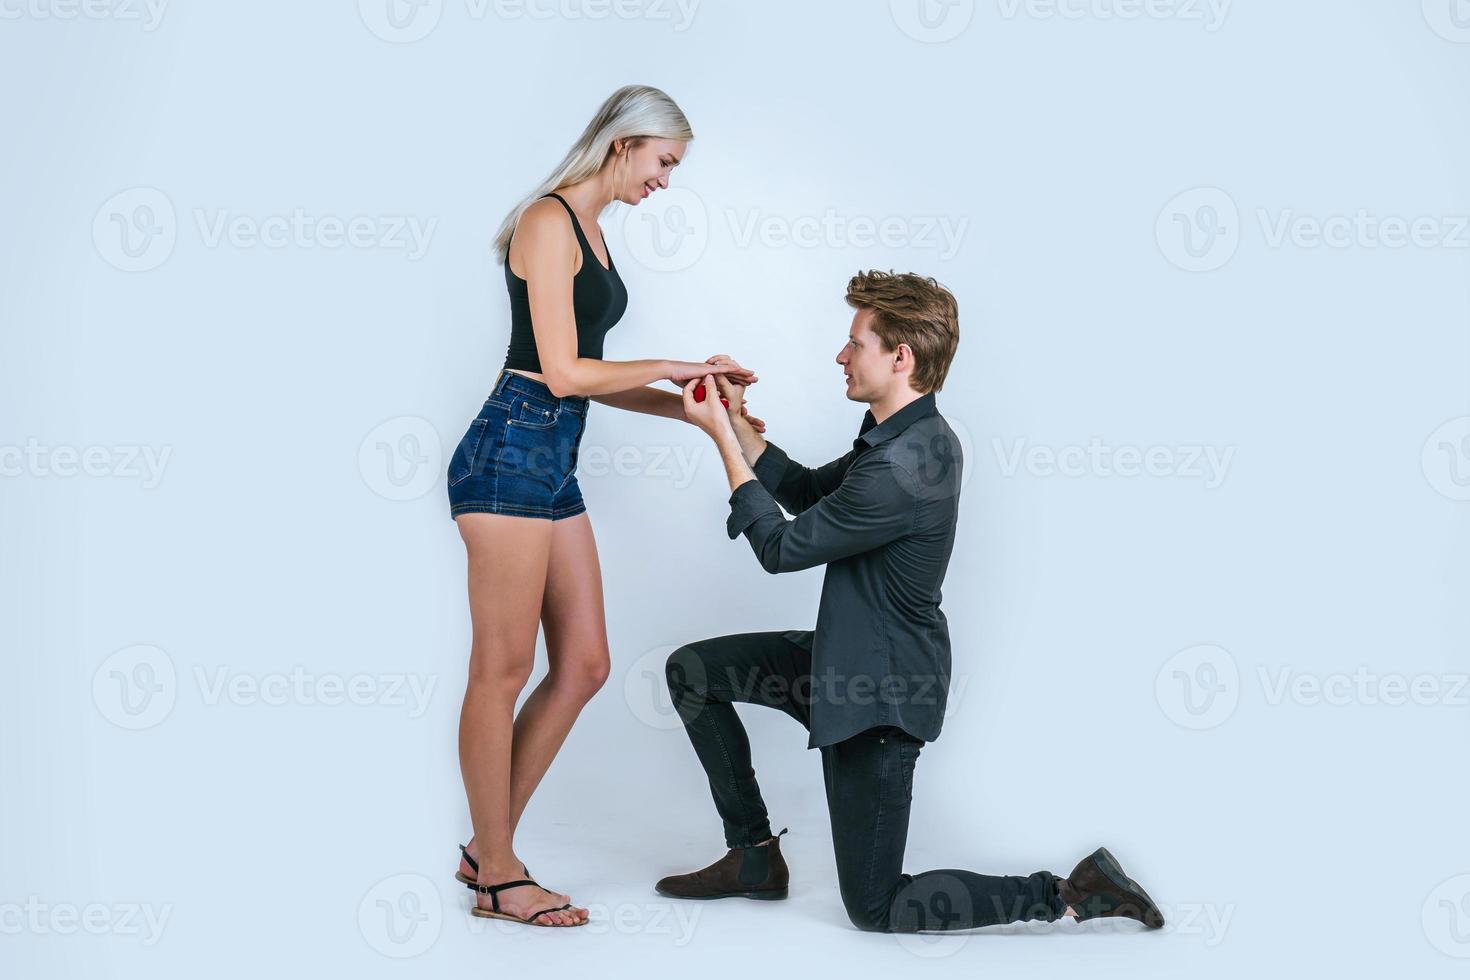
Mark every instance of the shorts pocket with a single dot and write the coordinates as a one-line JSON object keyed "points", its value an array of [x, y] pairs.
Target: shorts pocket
{"points": [[462, 463], [535, 415]]}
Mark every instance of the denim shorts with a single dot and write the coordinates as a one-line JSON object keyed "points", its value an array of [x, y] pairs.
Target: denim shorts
{"points": [[519, 455]]}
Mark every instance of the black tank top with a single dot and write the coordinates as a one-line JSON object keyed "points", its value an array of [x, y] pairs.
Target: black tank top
{"points": [[598, 301]]}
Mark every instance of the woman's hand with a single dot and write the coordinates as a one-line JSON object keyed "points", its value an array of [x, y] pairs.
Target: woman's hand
{"points": [[682, 372]]}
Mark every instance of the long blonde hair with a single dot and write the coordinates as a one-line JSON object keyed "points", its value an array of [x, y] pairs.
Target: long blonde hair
{"points": [[633, 112]]}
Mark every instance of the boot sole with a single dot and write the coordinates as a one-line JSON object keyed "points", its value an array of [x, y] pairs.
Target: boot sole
{"points": [[768, 895], [1114, 872]]}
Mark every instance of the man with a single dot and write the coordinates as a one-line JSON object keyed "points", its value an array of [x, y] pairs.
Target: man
{"points": [[870, 682]]}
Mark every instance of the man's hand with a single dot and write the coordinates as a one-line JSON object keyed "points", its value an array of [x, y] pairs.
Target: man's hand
{"points": [[734, 393], [709, 414]]}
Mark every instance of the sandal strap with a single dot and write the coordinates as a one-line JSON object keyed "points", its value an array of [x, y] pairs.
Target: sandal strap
{"points": [[494, 890], [533, 915], [474, 865]]}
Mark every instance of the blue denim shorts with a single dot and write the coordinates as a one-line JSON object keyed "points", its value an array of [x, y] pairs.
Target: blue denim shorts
{"points": [[519, 455]]}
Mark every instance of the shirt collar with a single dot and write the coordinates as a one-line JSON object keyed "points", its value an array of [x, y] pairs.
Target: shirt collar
{"points": [[872, 433]]}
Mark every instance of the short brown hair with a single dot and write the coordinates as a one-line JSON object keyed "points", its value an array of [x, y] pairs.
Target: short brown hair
{"points": [[910, 309]]}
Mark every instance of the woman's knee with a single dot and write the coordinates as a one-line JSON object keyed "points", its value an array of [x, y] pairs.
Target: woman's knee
{"points": [[583, 676], [498, 673]]}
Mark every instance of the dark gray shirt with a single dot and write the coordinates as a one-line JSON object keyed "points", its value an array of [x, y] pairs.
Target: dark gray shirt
{"points": [[882, 519]]}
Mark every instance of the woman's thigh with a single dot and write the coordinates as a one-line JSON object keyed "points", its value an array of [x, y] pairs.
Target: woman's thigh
{"points": [[572, 607], [507, 563]]}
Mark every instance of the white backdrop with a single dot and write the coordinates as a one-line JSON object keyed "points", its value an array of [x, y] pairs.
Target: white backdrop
{"points": [[1207, 600]]}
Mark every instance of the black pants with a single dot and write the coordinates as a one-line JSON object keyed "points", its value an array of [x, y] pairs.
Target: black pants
{"points": [[869, 780]]}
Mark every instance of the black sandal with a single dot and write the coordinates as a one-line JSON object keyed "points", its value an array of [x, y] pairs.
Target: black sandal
{"points": [[495, 913], [459, 876]]}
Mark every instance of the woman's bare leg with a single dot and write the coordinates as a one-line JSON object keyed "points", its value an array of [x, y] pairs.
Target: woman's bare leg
{"points": [[576, 648], [508, 559]]}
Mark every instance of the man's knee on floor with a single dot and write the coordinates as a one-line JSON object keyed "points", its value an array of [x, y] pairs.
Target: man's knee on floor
{"points": [[865, 918]]}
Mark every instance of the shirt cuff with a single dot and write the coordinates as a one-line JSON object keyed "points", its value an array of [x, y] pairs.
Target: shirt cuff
{"points": [[749, 502]]}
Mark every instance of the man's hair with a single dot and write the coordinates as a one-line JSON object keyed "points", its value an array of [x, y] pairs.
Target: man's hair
{"points": [[910, 309]]}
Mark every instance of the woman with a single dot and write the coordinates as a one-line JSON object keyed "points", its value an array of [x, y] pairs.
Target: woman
{"points": [[513, 489]]}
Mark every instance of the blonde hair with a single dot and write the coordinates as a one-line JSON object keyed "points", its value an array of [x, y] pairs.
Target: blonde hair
{"points": [[634, 113], [913, 310]]}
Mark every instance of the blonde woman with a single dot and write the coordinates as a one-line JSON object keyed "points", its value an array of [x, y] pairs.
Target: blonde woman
{"points": [[513, 489]]}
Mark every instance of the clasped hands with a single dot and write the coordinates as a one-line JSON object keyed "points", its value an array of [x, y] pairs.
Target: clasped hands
{"points": [[727, 380]]}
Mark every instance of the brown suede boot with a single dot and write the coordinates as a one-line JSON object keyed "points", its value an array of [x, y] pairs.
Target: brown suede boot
{"points": [[1098, 887], [757, 872]]}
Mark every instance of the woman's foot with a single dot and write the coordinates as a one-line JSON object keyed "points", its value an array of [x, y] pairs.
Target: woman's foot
{"points": [[469, 867], [525, 900]]}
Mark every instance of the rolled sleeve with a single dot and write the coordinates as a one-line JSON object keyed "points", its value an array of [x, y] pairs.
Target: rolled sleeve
{"points": [[748, 502]]}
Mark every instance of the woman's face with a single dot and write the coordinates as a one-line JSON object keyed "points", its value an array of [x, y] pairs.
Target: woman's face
{"points": [[644, 169]]}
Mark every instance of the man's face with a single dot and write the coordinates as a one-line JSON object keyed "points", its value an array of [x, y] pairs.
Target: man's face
{"points": [[869, 368]]}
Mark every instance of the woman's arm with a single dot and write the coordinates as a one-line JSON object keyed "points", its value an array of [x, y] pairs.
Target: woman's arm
{"points": [[549, 249], [646, 399], [658, 401]]}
